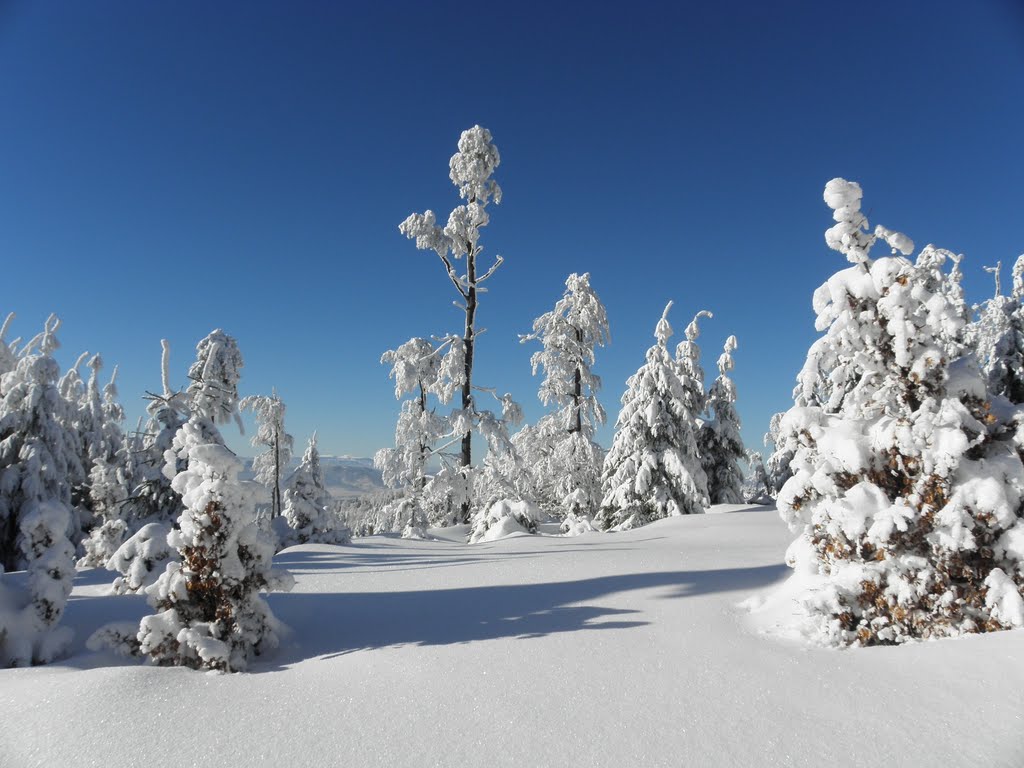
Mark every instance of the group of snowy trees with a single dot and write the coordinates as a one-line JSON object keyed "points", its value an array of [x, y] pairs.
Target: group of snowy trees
{"points": [[900, 466], [163, 507], [677, 449]]}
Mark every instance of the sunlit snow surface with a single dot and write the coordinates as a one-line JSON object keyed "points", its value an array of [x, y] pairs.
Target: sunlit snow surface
{"points": [[618, 650]]}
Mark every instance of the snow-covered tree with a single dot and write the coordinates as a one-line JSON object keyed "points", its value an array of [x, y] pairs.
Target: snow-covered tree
{"points": [[652, 469], [270, 432], [152, 506], [38, 459], [213, 393], [471, 169], [783, 447], [998, 338], [908, 482], [307, 504], [111, 467], [756, 488], [719, 441], [209, 613], [559, 454]]}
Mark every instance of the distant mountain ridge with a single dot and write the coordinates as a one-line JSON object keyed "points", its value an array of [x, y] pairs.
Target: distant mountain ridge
{"points": [[343, 475]]}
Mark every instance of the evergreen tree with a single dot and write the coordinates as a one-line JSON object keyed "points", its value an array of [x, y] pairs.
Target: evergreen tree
{"points": [[998, 338], [652, 470], [756, 487], [560, 455], [153, 506], [719, 441], [38, 458], [416, 369], [307, 504], [471, 169], [209, 611], [907, 485], [268, 466]]}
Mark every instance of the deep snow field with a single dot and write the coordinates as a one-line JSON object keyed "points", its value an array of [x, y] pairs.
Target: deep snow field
{"points": [[628, 649]]}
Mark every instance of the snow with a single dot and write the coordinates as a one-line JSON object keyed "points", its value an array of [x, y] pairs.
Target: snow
{"points": [[596, 650]]}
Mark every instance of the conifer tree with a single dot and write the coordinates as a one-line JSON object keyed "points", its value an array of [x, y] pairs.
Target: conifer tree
{"points": [[719, 441], [209, 611], [416, 369], [307, 503], [269, 466], [652, 469], [38, 458], [471, 169], [559, 454], [906, 492], [153, 506], [998, 338]]}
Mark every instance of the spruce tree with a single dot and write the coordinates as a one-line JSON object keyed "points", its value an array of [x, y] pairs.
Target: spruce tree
{"points": [[559, 455], [652, 469], [906, 492], [719, 441]]}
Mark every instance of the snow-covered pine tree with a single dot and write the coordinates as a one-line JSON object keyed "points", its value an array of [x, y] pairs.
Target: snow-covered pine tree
{"points": [[998, 338], [307, 504], [908, 482], [209, 611], [652, 469], [471, 169], [560, 455], [756, 488], [153, 505], [110, 467], [416, 369], [719, 441], [269, 465], [779, 460], [38, 459]]}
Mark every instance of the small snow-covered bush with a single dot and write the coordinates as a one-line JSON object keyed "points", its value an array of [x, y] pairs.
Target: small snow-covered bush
{"points": [[503, 518]]}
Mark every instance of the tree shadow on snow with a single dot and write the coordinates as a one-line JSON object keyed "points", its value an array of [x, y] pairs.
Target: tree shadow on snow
{"points": [[345, 622]]}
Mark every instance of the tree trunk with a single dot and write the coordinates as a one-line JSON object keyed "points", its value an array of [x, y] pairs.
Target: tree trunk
{"points": [[275, 501], [466, 459], [577, 390]]}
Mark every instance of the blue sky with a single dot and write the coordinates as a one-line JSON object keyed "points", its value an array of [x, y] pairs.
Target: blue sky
{"points": [[169, 168]]}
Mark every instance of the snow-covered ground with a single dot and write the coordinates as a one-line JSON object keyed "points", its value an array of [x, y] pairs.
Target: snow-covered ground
{"points": [[621, 649]]}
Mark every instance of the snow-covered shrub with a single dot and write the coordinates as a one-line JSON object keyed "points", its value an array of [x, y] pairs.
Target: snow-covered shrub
{"points": [[719, 441], [503, 518], [653, 470], [908, 487]]}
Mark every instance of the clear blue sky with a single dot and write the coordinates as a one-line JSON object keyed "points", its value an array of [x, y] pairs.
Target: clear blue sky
{"points": [[168, 168]]}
